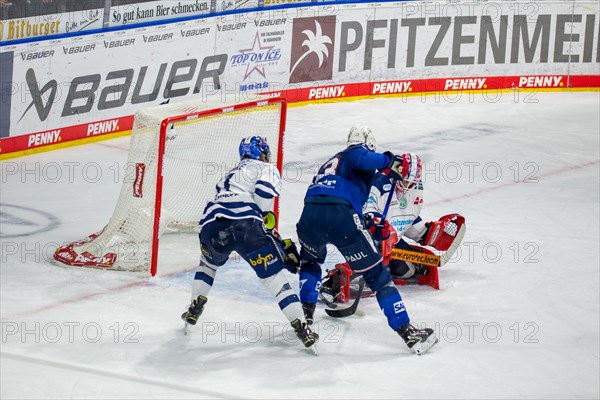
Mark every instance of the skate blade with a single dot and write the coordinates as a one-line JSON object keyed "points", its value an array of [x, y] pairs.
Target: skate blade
{"points": [[425, 346], [313, 350], [186, 328]]}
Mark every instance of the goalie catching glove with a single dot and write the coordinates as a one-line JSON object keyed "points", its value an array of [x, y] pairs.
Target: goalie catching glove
{"points": [[291, 254], [442, 233]]}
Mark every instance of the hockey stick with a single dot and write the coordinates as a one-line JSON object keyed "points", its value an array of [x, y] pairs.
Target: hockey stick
{"points": [[388, 201], [348, 311], [327, 302]]}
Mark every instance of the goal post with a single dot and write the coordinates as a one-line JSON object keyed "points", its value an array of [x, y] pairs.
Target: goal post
{"points": [[178, 152]]}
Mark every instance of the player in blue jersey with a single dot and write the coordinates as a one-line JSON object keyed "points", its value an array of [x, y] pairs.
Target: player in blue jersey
{"points": [[332, 214], [235, 221]]}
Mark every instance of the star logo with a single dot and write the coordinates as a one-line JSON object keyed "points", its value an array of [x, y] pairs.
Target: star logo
{"points": [[256, 57]]}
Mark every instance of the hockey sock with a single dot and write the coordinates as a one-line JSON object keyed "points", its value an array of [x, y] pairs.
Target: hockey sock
{"points": [[203, 280], [310, 282], [391, 304], [279, 286]]}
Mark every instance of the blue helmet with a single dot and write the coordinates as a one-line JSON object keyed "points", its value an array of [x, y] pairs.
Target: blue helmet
{"points": [[255, 147]]}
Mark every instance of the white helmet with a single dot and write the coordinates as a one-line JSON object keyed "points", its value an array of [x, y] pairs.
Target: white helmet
{"points": [[362, 135], [411, 170]]}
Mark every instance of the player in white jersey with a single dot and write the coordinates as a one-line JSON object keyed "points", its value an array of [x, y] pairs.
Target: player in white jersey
{"points": [[235, 221], [403, 215]]}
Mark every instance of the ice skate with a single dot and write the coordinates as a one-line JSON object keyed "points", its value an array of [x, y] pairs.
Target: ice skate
{"points": [[419, 340], [190, 317], [305, 334]]}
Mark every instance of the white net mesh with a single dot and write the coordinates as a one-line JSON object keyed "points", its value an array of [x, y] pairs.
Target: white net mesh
{"points": [[198, 152]]}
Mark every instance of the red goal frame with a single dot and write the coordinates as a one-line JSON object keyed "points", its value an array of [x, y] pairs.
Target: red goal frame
{"points": [[186, 117]]}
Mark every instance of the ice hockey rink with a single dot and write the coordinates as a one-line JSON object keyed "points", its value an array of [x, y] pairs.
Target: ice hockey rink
{"points": [[517, 313]]}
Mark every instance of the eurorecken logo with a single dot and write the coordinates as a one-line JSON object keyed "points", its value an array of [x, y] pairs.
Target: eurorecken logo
{"points": [[312, 49]]}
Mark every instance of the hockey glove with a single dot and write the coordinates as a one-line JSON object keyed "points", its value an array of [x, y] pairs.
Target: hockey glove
{"points": [[379, 231], [292, 257], [386, 170], [395, 167], [270, 220]]}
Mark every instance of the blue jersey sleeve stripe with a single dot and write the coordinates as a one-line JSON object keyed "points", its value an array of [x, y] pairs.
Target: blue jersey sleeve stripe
{"points": [[231, 206], [417, 220], [263, 194], [268, 185]]}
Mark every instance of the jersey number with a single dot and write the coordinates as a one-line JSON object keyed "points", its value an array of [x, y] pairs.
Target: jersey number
{"points": [[329, 168]]}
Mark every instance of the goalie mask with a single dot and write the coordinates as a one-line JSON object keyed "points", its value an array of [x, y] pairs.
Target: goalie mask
{"points": [[411, 172], [362, 135], [255, 147]]}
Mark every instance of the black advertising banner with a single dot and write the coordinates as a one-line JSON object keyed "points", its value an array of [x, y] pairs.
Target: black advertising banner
{"points": [[6, 89]]}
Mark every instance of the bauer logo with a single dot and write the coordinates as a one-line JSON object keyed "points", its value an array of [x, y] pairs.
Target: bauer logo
{"points": [[38, 95], [138, 183], [312, 49]]}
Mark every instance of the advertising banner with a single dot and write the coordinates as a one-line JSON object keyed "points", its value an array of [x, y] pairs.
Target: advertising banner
{"points": [[226, 5], [6, 88], [134, 12], [38, 18], [53, 24], [82, 85]]}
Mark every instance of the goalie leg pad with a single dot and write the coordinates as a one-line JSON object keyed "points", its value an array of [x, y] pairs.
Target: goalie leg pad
{"points": [[398, 268], [427, 275]]}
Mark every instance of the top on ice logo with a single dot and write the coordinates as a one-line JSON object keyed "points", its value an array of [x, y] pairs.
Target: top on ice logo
{"points": [[256, 57], [312, 49]]}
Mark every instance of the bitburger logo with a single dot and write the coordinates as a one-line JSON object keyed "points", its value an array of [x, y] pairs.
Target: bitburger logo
{"points": [[312, 49]]}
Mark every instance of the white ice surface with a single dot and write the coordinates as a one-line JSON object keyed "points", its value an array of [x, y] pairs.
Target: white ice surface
{"points": [[517, 313]]}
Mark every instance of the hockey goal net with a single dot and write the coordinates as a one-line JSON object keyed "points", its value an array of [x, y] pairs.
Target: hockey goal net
{"points": [[177, 154]]}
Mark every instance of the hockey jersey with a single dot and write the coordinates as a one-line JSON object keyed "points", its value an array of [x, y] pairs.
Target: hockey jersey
{"points": [[247, 191], [404, 210], [348, 175]]}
